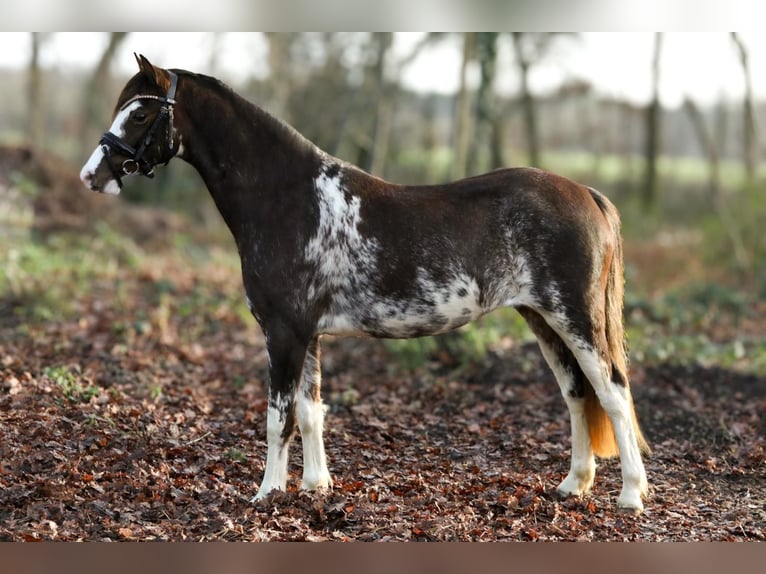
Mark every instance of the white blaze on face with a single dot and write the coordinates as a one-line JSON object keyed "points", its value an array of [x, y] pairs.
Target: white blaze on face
{"points": [[88, 171]]}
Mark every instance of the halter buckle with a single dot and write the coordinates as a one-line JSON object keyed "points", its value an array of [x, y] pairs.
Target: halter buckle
{"points": [[130, 167]]}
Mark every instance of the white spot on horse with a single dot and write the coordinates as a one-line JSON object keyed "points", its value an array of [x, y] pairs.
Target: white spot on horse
{"points": [[457, 300], [439, 307], [118, 125], [181, 148], [337, 248], [339, 324], [88, 172]]}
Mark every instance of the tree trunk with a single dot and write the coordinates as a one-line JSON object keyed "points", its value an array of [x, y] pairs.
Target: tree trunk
{"points": [[709, 148], [280, 72], [463, 125], [711, 151], [96, 94], [750, 141], [721, 129], [651, 149], [214, 57], [527, 101], [384, 107], [487, 136], [36, 109]]}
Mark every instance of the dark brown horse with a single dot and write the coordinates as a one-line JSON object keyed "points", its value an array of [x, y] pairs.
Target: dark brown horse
{"points": [[329, 249]]}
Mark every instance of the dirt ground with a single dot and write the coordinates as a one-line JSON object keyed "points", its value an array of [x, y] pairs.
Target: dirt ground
{"points": [[136, 438]]}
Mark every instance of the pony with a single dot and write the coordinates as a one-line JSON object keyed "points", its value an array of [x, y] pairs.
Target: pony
{"points": [[328, 249]]}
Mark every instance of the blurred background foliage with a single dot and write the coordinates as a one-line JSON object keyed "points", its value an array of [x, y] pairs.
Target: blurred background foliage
{"points": [[688, 180]]}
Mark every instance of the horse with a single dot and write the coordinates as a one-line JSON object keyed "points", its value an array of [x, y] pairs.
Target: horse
{"points": [[328, 249]]}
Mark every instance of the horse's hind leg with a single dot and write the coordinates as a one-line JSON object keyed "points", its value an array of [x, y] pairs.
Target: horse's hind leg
{"points": [[589, 347], [310, 411], [614, 396], [572, 383]]}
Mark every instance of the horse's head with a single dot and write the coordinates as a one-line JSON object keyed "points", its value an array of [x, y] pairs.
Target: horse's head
{"points": [[142, 133]]}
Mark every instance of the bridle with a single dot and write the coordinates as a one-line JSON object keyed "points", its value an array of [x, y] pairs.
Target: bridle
{"points": [[136, 162]]}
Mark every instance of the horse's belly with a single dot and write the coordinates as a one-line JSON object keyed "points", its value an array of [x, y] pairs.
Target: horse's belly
{"points": [[432, 310]]}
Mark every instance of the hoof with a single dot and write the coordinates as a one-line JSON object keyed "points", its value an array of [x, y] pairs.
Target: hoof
{"points": [[324, 482], [564, 493], [630, 504], [263, 493], [630, 510], [631, 499], [574, 486]]}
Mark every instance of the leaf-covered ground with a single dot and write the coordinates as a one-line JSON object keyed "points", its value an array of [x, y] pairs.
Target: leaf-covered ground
{"points": [[132, 407]]}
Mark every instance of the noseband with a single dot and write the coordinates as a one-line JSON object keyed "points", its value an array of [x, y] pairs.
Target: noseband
{"points": [[136, 162]]}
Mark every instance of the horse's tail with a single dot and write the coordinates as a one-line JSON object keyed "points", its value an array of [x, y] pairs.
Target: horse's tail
{"points": [[599, 426]]}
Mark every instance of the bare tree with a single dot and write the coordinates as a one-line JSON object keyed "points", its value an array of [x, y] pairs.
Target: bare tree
{"points": [[36, 110], [95, 96], [214, 56], [709, 147], [529, 49], [708, 144], [488, 132], [474, 125], [464, 120], [384, 105], [429, 39], [280, 72], [721, 129], [524, 62], [750, 141], [315, 92], [652, 142], [371, 137]]}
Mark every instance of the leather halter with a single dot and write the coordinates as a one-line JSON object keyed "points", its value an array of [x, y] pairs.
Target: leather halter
{"points": [[136, 162]]}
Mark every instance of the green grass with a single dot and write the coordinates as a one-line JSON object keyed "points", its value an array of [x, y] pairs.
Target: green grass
{"points": [[45, 277], [465, 346], [68, 381], [696, 324], [236, 455]]}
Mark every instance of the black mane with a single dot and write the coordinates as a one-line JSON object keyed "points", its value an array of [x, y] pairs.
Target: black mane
{"points": [[249, 114]]}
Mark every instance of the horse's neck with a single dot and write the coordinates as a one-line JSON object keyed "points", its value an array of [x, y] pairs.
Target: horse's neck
{"points": [[247, 158]]}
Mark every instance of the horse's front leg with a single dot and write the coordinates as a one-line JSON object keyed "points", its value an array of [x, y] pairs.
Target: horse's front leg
{"points": [[286, 358], [310, 411]]}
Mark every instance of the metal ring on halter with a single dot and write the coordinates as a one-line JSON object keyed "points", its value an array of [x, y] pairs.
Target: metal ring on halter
{"points": [[130, 167]]}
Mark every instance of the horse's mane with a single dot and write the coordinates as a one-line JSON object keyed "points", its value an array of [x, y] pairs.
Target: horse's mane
{"points": [[244, 108]]}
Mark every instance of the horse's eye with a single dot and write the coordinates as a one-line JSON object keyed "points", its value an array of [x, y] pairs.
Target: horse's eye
{"points": [[140, 117]]}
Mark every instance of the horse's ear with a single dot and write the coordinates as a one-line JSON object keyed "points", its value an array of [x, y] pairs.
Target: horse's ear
{"points": [[153, 73]]}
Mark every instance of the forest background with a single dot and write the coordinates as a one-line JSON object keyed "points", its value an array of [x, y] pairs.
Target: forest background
{"points": [[111, 310]]}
